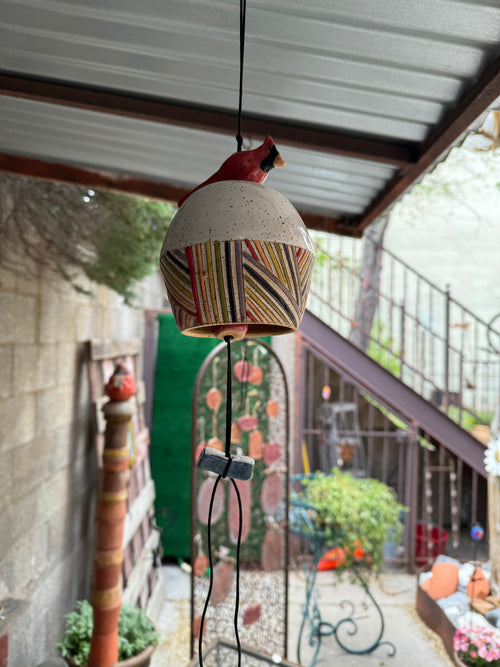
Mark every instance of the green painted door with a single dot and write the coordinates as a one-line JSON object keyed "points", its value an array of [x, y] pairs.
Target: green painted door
{"points": [[178, 362]]}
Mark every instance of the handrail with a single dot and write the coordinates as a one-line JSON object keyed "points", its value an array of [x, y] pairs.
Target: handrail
{"points": [[431, 341]]}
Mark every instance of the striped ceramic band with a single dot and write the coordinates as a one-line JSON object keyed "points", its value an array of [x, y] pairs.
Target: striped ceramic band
{"points": [[106, 558]]}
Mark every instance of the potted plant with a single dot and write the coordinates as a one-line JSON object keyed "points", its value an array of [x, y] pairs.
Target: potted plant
{"points": [[136, 636], [352, 515], [476, 647]]}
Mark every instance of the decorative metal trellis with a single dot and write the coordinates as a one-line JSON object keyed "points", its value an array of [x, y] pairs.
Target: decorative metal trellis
{"points": [[260, 430]]}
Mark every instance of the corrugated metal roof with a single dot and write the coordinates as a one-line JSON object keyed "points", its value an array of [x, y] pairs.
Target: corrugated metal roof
{"points": [[388, 71]]}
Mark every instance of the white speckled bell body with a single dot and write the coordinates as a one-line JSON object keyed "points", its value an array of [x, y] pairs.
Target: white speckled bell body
{"points": [[237, 253]]}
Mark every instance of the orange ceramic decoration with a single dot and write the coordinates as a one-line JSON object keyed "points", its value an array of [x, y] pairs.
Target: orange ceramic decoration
{"points": [[215, 443], [256, 375], [223, 579], [272, 409], [248, 422], [203, 501], [271, 493], [245, 489], [235, 433], [272, 551], [242, 370], [272, 453], [198, 451], [255, 445], [121, 385], [332, 559], [213, 399], [200, 565]]}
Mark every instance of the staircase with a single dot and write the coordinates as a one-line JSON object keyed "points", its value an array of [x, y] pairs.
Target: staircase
{"points": [[431, 366]]}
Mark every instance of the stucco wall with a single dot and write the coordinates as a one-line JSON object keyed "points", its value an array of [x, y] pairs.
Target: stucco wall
{"points": [[47, 468]]}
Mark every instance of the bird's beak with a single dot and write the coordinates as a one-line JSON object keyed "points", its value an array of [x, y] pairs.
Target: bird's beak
{"points": [[273, 159], [278, 161]]}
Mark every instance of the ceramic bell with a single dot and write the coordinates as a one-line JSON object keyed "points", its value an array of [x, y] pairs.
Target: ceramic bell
{"points": [[237, 259]]}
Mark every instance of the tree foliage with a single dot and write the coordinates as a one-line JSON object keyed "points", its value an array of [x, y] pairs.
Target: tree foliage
{"points": [[112, 239]]}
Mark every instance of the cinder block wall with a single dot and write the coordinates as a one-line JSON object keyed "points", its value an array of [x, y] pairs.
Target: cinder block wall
{"points": [[47, 465]]}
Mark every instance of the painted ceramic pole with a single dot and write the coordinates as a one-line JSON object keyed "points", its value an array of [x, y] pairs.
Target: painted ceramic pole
{"points": [[111, 512]]}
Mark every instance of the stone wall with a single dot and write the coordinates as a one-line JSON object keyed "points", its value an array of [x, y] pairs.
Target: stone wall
{"points": [[48, 466]]}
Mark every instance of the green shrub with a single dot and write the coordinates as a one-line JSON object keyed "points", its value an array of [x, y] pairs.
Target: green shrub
{"points": [[135, 633], [354, 513]]}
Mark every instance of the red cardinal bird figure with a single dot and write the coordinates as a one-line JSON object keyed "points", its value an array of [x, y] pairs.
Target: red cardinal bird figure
{"points": [[251, 165]]}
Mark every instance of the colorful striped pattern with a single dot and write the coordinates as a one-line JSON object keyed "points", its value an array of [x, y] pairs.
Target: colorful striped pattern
{"points": [[226, 282]]}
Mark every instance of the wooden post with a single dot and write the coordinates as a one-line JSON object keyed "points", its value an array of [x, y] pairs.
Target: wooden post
{"points": [[111, 512]]}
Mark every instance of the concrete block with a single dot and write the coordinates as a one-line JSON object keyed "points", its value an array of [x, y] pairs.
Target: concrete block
{"points": [[26, 560], [34, 367], [19, 318], [18, 420], [16, 520], [54, 408], [8, 279], [57, 320], [64, 444], [6, 371], [36, 633], [55, 492], [87, 320], [28, 282], [71, 524], [66, 363], [29, 468], [6, 480]]}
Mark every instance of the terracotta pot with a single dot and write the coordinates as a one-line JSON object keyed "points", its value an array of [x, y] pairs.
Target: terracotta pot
{"points": [[109, 534], [104, 650], [141, 660], [112, 511], [115, 481], [116, 464], [107, 577], [106, 618]]}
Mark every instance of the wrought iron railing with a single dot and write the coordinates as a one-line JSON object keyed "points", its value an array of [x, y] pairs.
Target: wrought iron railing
{"points": [[419, 332]]}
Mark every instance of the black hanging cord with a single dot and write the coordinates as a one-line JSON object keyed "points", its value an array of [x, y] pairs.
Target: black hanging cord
{"points": [[229, 417], [237, 599], [229, 397], [211, 565], [243, 11]]}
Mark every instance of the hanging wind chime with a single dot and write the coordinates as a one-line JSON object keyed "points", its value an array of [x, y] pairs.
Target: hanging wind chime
{"points": [[237, 261]]}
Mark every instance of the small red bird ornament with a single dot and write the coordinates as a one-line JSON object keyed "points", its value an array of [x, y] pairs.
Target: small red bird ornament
{"points": [[253, 165], [121, 385]]}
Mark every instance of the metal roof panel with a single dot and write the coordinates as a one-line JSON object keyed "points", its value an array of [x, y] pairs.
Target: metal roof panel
{"points": [[390, 70]]}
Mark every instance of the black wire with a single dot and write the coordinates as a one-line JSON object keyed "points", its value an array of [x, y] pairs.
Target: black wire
{"points": [[211, 584], [229, 397], [238, 545], [209, 526], [243, 11]]}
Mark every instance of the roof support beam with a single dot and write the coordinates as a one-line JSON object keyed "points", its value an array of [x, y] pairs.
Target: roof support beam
{"points": [[207, 119], [64, 173], [475, 101]]}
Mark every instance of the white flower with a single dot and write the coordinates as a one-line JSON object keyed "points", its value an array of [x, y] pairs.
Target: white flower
{"points": [[492, 457]]}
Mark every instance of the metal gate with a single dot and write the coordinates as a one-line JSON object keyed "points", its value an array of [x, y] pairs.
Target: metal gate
{"points": [[260, 430]]}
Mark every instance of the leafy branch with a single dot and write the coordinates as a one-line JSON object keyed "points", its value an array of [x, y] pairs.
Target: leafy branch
{"points": [[112, 239]]}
